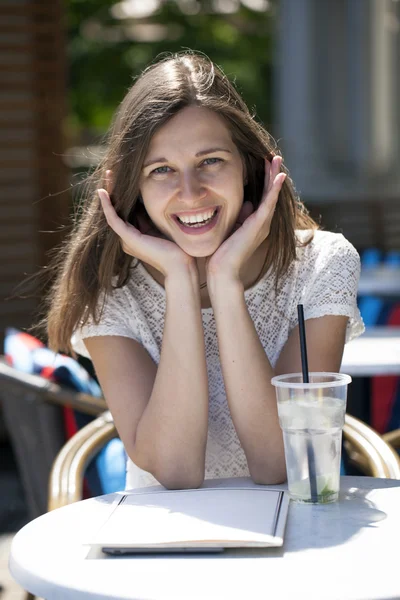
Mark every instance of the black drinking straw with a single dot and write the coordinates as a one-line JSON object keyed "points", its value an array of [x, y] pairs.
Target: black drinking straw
{"points": [[306, 379]]}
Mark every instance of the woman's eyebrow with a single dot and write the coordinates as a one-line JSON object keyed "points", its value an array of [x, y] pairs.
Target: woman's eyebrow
{"points": [[153, 161], [210, 150]]}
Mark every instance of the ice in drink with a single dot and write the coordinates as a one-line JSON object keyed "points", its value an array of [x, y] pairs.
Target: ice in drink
{"points": [[306, 421]]}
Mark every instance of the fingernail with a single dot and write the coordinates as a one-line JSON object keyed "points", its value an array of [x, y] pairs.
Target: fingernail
{"points": [[102, 194]]}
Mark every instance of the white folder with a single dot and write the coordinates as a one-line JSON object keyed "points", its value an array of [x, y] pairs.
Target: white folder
{"points": [[207, 519]]}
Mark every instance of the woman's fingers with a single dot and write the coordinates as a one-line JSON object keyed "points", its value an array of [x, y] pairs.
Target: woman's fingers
{"points": [[147, 244], [273, 183], [109, 182], [271, 171], [114, 221], [273, 194]]}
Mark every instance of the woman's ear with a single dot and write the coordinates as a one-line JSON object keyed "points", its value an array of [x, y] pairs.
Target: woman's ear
{"points": [[109, 182]]}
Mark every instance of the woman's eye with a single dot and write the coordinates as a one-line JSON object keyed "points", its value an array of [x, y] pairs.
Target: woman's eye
{"points": [[160, 170], [212, 161]]}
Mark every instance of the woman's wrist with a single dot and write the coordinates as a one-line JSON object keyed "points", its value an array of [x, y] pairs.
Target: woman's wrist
{"points": [[183, 279], [224, 289]]}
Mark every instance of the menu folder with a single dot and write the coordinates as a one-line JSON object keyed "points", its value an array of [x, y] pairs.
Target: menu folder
{"points": [[200, 520]]}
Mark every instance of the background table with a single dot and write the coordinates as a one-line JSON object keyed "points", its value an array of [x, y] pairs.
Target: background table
{"points": [[346, 550], [376, 352], [380, 281]]}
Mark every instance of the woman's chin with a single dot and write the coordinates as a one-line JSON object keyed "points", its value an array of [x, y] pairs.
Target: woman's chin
{"points": [[201, 252]]}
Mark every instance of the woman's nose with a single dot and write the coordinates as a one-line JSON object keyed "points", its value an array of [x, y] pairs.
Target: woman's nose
{"points": [[191, 188]]}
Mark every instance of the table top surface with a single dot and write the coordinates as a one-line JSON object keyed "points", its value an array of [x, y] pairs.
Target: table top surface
{"points": [[345, 550], [375, 352]]}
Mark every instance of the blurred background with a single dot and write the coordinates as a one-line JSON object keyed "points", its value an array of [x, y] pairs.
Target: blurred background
{"points": [[322, 75]]}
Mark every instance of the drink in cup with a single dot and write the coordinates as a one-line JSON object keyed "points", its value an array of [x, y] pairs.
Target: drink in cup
{"points": [[311, 416]]}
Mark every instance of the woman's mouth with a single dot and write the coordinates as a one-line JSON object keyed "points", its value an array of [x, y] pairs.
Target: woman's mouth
{"points": [[199, 223]]}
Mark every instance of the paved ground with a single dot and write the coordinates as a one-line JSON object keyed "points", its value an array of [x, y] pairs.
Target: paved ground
{"points": [[13, 516]]}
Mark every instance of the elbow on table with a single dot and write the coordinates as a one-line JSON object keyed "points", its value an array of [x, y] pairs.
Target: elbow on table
{"points": [[182, 484], [180, 480], [268, 476], [269, 480], [172, 473]]}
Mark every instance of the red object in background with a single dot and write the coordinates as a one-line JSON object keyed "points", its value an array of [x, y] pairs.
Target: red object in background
{"points": [[69, 422], [383, 389], [70, 427]]}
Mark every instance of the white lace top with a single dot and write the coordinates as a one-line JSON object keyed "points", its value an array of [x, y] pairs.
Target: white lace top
{"points": [[324, 278]]}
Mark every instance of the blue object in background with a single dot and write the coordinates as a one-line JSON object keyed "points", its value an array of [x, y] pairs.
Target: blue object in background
{"points": [[370, 306], [111, 463], [392, 259], [374, 309], [370, 258], [371, 309]]}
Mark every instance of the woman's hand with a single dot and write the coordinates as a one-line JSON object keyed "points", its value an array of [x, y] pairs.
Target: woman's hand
{"points": [[146, 245], [251, 229]]}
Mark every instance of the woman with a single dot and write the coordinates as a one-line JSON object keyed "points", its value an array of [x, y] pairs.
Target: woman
{"points": [[182, 278]]}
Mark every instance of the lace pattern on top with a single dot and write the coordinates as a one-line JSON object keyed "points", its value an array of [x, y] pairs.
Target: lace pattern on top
{"points": [[324, 278]]}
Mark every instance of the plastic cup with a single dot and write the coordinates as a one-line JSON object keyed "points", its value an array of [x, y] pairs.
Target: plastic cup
{"points": [[311, 416]]}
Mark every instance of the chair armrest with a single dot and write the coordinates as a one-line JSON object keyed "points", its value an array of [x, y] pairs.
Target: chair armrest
{"points": [[66, 477], [392, 438], [50, 392], [372, 452]]}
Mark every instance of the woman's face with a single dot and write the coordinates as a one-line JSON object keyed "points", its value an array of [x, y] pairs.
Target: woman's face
{"points": [[192, 181]]}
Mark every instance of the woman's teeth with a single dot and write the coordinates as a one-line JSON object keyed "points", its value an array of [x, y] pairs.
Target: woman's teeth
{"points": [[197, 220]]}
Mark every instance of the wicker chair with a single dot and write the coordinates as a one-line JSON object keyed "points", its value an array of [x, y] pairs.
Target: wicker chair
{"points": [[392, 438], [366, 448], [370, 452], [66, 478], [32, 410]]}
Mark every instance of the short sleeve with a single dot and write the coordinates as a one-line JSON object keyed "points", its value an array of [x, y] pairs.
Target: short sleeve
{"points": [[331, 275], [118, 317]]}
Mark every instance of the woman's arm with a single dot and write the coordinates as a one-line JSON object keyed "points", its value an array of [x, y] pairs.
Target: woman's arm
{"points": [[247, 375], [161, 413]]}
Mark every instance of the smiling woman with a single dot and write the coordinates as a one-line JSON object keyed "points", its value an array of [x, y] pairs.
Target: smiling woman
{"points": [[182, 278], [195, 194]]}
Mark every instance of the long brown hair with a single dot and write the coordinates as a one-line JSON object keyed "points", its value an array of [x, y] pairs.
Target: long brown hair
{"points": [[92, 255]]}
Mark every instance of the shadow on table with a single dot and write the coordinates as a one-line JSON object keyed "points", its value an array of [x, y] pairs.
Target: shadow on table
{"points": [[325, 526], [333, 524]]}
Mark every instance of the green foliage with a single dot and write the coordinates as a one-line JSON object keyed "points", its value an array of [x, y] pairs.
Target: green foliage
{"points": [[105, 56]]}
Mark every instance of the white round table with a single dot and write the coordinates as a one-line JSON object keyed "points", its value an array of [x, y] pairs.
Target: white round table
{"points": [[347, 550]]}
